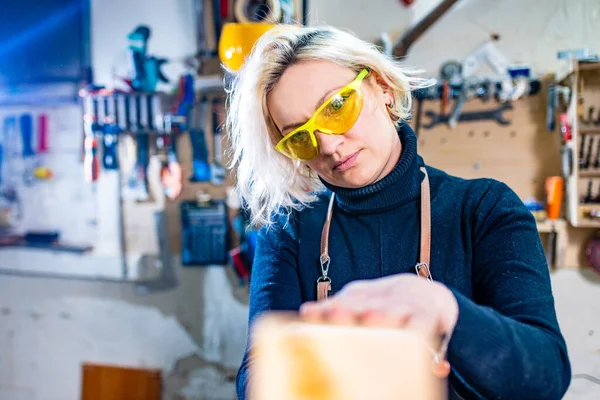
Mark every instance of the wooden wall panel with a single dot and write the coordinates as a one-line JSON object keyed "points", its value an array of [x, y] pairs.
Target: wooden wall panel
{"points": [[521, 154]]}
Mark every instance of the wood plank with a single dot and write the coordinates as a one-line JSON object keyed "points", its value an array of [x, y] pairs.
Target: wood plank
{"points": [[294, 360], [109, 382]]}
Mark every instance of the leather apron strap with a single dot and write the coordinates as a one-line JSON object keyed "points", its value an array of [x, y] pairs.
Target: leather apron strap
{"points": [[422, 267]]}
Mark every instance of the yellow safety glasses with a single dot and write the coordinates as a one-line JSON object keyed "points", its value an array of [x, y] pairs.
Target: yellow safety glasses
{"points": [[334, 117]]}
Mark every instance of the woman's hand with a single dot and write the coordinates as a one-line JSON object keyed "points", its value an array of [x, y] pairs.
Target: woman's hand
{"points": [[399, 301]]}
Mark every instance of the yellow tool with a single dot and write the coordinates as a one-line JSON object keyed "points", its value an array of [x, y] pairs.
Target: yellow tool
{"points": [[43, 173]]}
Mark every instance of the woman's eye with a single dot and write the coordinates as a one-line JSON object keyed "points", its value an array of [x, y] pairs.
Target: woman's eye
{"points": [[299, 137], [337, 103]]}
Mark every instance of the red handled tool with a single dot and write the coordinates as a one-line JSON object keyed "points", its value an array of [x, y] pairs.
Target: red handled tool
{"points": [[43, 134], [91, 165]]}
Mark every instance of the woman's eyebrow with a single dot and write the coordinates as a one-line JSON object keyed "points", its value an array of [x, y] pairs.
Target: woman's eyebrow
{"points": [[323, 98]]}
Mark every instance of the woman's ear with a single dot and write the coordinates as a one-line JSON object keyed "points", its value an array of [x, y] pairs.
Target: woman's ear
{"points": [[383, 88]]}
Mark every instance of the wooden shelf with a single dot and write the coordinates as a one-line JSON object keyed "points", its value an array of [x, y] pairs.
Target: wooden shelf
{"points": [[589, 130], [548, 225], [589, 174], [589, 66], [588, 206], [587, 223]]}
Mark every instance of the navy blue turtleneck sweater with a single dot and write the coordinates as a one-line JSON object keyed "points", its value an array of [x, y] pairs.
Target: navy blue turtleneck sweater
{"points": [[485, 247]]}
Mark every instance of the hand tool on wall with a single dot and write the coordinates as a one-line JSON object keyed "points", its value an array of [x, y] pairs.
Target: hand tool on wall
{"points": [[26, 126], [217, 172], [147, 68], [597, 197], [8, 188], [580, 100], [138, 180], [451, 71], [588, 197], [42, 171], [217, 20], [465, 94], [567, 161], [110, 134], [590, 118], [496, 115], [110, 145], [597, 160], [551, 108], [91, 164], [588, 155], [200, 167], [171, 173], [554, 191], [597, 120], [42, 147], [565, 127], [581, 150]]}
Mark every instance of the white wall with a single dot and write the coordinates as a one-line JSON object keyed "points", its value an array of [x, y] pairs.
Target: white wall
{"points": [[531, 31]]}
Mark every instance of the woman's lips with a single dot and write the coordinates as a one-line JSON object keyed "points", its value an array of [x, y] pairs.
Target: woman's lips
{"points": [[346, 163]]}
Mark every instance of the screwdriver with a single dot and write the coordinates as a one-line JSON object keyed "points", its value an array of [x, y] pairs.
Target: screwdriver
{"points": [[90, 161], [26, 123]]}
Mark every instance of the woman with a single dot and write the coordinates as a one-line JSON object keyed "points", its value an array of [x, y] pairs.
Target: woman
{"points": [[320, 144]]}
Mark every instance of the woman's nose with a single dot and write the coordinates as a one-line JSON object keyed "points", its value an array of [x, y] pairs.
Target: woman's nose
{"points": [[328, 144]]}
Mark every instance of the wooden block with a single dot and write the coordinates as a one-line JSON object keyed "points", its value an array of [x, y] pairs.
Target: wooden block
{"points": [[294, 360], [106, 382]]}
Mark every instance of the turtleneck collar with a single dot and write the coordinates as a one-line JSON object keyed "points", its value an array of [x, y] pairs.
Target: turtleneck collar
{"points": [[399, 187]]}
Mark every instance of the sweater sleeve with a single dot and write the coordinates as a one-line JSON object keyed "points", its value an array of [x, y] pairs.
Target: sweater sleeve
{"points": [[274, 283], [507, 342]]}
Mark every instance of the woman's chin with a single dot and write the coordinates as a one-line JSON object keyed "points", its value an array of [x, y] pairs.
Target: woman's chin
{"points": [[354, 179]]}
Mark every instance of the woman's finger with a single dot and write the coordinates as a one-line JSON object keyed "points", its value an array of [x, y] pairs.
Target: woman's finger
{"points": [[338, 314], [381, 319], [312, 312]]}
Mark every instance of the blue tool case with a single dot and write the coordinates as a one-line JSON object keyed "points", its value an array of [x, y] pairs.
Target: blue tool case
{"points": [[204, 233]]}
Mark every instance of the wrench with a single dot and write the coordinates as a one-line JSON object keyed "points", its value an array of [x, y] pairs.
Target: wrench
{"points": [[470, 116]]}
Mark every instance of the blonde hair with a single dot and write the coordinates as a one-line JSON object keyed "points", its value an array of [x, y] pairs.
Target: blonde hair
{"points": [[268, 181]]}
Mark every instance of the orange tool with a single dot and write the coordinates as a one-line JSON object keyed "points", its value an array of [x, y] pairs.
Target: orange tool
{"points": [[554, 193]]}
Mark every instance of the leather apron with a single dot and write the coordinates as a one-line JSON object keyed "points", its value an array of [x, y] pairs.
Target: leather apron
{"points": [[422, 267]]}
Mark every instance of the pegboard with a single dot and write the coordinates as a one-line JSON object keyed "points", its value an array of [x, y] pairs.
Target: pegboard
{"points": [[521, 154], [64, 202]]}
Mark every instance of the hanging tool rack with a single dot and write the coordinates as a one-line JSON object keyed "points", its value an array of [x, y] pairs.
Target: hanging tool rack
{"points": [[453, 93], [575, 100]]}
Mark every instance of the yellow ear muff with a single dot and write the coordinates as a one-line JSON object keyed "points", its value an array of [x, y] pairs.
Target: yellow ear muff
{"points": [[237, 40]]}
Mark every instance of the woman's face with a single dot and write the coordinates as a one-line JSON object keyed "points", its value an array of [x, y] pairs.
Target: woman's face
{"points": [[361, 156]]}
